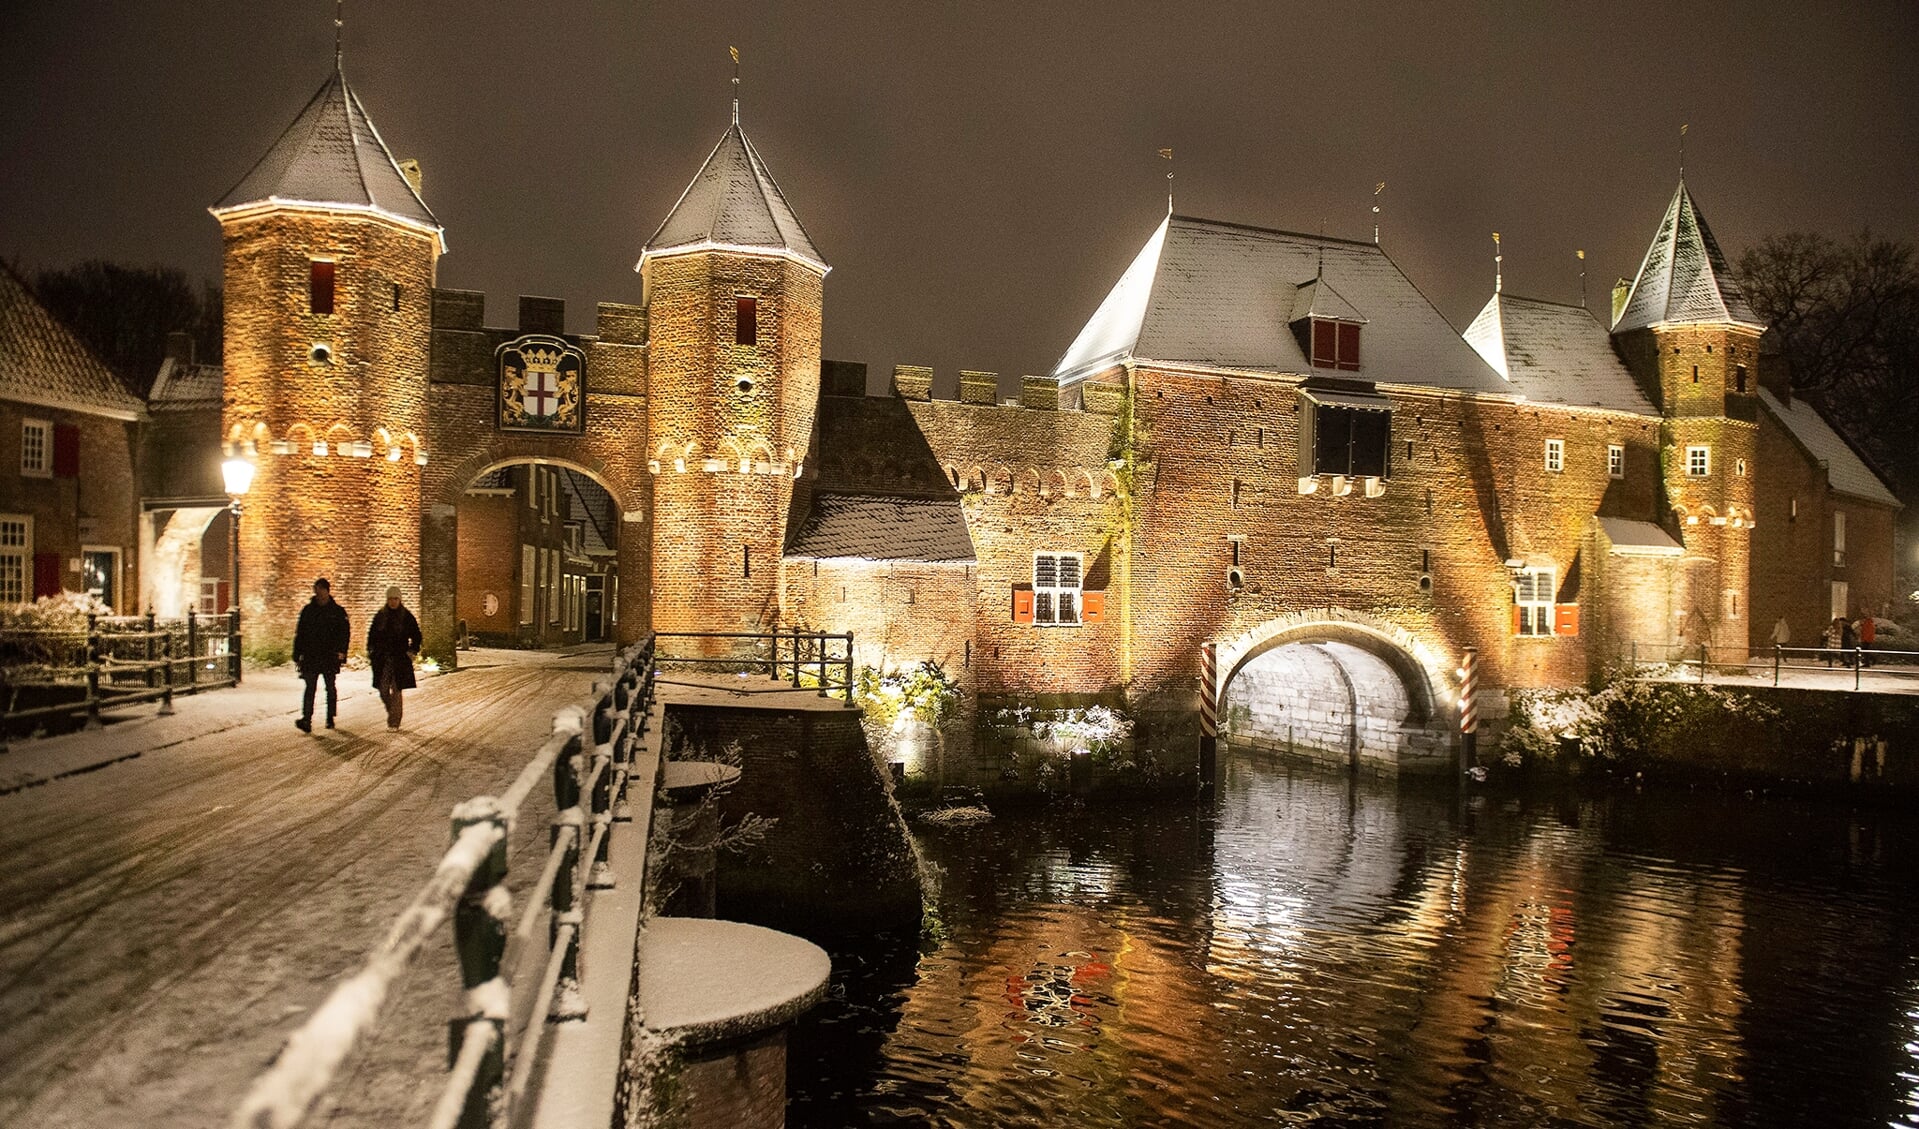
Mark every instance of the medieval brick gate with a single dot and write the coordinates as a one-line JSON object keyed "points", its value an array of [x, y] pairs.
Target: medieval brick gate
{"points": [[1341, 687]]}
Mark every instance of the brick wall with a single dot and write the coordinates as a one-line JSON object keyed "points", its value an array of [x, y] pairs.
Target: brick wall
{"points": [[97, 508], [489, 548]]}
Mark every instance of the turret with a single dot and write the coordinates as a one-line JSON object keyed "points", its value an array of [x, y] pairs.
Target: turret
{"points": [[330, 258], [1692, 342], [733, 289]]}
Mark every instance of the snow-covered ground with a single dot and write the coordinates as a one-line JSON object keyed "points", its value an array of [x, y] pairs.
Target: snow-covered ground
{"points": [[1881, 679], [166, 920]]}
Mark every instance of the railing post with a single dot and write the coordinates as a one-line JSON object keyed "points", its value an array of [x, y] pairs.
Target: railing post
{"points": [[147, 675], [822, 657], [1702, 662], [567, 884], [193, 649], [600, 874], [233, 640], [166, 671], [1775, 663], [93, 671], [796, 657], [849, 668], [479, 936], [1858, 665]]}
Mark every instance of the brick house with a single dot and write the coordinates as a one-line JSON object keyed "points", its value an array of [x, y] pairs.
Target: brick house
{"points": [[69, 440]]}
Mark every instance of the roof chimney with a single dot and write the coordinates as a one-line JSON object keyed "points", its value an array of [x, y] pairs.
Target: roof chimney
{"points": [[410, 169], [1621, 290], [180, 347]]}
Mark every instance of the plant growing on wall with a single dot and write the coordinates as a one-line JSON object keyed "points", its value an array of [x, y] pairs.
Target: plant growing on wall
{"points": [[924, 692]]}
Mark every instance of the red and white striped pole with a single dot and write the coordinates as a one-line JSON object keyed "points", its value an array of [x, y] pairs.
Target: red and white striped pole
{"points": [[1469, 709], [1208, 713]]}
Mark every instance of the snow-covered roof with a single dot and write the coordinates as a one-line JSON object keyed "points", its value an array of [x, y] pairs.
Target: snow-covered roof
{"points": [[43, 363], [1318, 299], [1641, 538], [183, 387], [733, 204], [862, 527], [332, 157], [1555, 354], [1846, 472], [1213, 294], [1684, 277], [593, 508]]}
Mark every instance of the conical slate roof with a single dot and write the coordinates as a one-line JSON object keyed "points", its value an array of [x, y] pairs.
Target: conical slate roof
{"points": [[331, 156], [733, 204], [1684, 278]]}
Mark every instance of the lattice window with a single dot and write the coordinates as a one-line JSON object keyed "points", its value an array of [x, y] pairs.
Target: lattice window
{"points": [[16, 557], [1056, 588], [1555, 455], [36, 448], [1533, 602]]}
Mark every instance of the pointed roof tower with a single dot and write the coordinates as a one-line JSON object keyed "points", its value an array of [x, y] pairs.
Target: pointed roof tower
{"points": [[1684, 277], [332, 159], [733, 204]]}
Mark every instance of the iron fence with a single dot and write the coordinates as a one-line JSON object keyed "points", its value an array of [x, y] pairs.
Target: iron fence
{"points": [[517, 984], [1855, 668], [791, 659], [50, 674]]}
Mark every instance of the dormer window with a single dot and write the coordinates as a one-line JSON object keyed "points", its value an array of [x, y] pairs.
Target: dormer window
{"points": [[1335, 344]]}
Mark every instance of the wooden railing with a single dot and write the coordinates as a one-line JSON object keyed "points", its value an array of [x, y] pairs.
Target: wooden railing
{"points": [[115, 661], [791, 659], [519, 975]]}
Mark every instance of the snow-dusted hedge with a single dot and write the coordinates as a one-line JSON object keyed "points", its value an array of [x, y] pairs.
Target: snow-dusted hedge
{"points": [[1623, 720]]}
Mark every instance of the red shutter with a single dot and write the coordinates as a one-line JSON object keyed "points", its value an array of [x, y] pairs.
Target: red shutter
{"points": [[1516, 623], [746, 321], [1566, 619], [220, 594], [46, 574], [320, 286], [1325, 343], [66, 450], [1092, 607], [1023, 604], [1348, 346]]}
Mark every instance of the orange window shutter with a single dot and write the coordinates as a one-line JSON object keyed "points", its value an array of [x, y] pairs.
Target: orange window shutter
{"points": [[1566, 619], [1022, 605], [1092, 607], [1517, 626]]}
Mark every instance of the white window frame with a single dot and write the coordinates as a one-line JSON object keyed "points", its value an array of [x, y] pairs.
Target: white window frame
{"points": [[29, 429], [552, 585], [1057, 604], [529, 568], [1700, 457], [1839, 538], [209, 603], [1615, 460], [16, 555], [1533, 592], [1555, 455], [1841, 594]]}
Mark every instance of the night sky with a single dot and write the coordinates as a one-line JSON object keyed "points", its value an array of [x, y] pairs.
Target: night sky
{"points": [[978, 174]]}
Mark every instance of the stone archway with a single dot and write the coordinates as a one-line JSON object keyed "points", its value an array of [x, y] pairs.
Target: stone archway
{"points": [[1337, 687]]}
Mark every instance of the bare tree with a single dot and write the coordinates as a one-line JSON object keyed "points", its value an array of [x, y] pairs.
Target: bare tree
{"points": [[124, 314]]}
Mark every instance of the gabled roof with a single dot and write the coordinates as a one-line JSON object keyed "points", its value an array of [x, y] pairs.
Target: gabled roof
{"points": [[1221, 295], [1639, 538], [43, 363], [1846, 472], [1684, 277], [1556, 354], [1318, 299], [865, 527], [182, 386], [733, 204], [332, 157]]}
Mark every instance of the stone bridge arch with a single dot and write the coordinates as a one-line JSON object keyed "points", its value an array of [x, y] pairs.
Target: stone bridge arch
{"points": [[1340, 687]]}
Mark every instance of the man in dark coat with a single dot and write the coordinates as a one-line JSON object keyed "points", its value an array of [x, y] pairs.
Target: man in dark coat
{"points": [[391, 642], [319, 648]]}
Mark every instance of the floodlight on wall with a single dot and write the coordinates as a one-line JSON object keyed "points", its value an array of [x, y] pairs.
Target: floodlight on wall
{"points": [[320, 447], [393, 453]]}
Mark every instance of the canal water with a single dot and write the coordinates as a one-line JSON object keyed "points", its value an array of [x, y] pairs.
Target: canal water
{"points": [[1308, 950]]}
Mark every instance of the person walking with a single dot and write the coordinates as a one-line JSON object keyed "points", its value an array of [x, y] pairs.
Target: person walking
{"points": [[319, 649], [1835, 637], [1848, 641], [1868, 635], [391, 642]]}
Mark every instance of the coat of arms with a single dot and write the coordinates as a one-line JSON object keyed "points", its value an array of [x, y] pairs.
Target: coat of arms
{"points": [[542, 385]]}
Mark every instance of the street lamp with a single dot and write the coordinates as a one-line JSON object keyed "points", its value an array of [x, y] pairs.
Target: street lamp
{"points": [[238, 473]]}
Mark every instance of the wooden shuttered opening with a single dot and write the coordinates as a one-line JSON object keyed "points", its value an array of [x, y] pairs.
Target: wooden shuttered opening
{"points": [[1566, 619], [1325, 344], [1092, 607], [66, 450], [46, 574], [1022, 603], [1348, 345]]}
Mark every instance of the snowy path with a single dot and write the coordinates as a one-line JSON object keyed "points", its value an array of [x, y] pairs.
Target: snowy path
{"points": [[166, 921]]}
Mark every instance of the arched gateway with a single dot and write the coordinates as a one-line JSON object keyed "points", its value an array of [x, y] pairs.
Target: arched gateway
{"points": [[371, 402], [1338, 686]]}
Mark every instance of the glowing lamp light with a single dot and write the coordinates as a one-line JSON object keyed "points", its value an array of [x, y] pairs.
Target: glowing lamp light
{"points": [[238, 473], [746, 466]]}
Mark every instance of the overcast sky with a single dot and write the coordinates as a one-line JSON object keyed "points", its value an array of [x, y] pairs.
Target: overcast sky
{"points": [[978, 174]]}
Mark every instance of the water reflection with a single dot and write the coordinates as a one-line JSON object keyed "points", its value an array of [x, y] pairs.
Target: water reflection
{"points": [[1307, 950]]}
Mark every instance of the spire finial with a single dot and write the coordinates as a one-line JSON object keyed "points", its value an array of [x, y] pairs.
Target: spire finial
{"points": [[1582, 277], [1377, 190], [1167, 154], [735, 52], [339, 29], [1499, 270], [1682, 150]]}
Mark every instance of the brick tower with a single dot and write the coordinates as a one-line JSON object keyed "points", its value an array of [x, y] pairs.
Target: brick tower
{"points": [[733, 289], [1692, 341], [330, 255]]}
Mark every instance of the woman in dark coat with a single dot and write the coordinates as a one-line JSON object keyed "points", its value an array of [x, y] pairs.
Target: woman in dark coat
{"points": [[391, 643]]}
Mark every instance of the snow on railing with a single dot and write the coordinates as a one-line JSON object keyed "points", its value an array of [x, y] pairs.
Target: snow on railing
{"points": [[817, 658], [115, 661], [507, 1015], [1826, 668]]}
